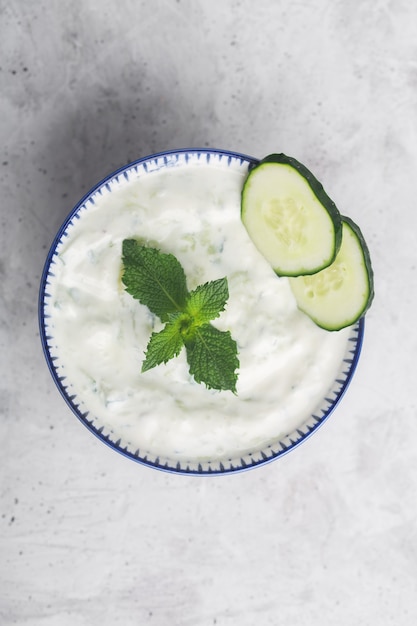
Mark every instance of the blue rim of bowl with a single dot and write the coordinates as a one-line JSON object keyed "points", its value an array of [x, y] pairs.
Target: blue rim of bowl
{"points": [[240, 463]]}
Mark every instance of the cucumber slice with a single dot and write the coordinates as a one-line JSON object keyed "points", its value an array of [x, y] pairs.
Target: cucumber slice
{"points": [[339, 295], [289, 216]]}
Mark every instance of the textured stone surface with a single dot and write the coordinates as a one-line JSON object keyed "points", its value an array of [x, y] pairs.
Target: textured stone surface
{"points": [[324, 536]]}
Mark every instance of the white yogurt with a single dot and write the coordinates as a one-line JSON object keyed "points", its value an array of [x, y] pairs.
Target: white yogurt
{"points": [[100, 333]]}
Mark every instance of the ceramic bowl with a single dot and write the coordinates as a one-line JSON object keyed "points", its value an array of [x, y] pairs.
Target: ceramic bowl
{"points": [[253, 456]]}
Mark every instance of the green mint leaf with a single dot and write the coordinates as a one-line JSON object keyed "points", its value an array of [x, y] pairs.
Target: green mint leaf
{"points": [[212, 358], [207, 301], [164, 345], [154, 278], [158, 281]]}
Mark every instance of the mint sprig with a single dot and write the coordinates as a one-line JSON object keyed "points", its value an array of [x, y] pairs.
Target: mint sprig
{"points": [[158, 281]]}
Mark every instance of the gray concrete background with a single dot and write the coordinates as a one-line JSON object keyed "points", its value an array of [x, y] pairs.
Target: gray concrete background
{"points": [[326, 535]]}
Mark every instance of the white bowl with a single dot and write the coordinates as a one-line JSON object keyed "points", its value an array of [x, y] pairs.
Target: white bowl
{"points": [[253, 454]]}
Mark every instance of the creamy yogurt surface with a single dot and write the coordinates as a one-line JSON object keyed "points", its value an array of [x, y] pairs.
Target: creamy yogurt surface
{"points": [[99, 333]]}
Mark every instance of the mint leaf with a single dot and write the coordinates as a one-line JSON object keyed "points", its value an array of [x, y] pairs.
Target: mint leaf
{"points": [[207, 301], [212, 357], [164, 345], [156, 279]]}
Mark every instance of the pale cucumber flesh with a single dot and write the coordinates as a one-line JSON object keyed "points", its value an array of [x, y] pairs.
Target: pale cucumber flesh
{"points": [[339, 295], [287, 222]]}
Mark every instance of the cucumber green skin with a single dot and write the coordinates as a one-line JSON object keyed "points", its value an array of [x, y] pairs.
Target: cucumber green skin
{"points": [[317, 189], [367, 262]]}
